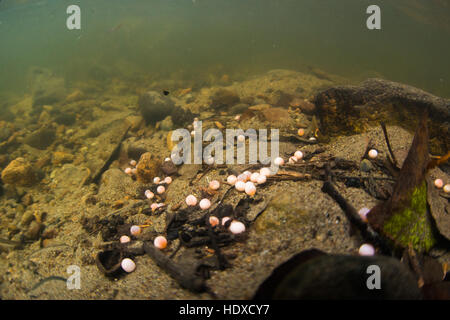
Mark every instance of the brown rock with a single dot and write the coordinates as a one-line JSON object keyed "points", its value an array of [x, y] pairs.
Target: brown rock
{"points": [[33, 231], [276, 116], [224, 98], [60, 157], [304, 105], [147, 168], [19, 173]]}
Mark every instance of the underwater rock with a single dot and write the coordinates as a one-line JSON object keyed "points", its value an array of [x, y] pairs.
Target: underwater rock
{"points": [[365, 165], [33, 231], [114, 185], [135, 122], [166, 124], [350, 109], [60, 157], [147, 168], [169, 168], [278, 117], [155, 106], [181, 116], [19, 172], [223, 99], [41, 138], [239, 108], [315, 275], [304, 105], [75, 96]]}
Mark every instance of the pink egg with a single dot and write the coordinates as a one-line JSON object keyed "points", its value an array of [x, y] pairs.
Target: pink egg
{"points": [[134, 171], [214, 185], [154, 206], [363, 213], [292, 160], [128, 265], [237, 227], [167, 159], [149, 194], [278, 161], [127, 170], [265, 171], [213, 221], [250, 188], [241, 138], [156, 180], [254, 177], [191, 200], [125, 239], [210, 161], [160, 189], [298, 155], [438, 183], [240, 185], [247, 174], [205, 204], [373, 153], [168, 180], [366, 250], [237, 117], [232, 179], [261, 179], [447, 188], [135, 230], [133, 163], [242, 177], [301, 132], [160, 242], [225, 220]]}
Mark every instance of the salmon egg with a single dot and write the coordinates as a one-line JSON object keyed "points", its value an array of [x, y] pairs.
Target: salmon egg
{"points": [[265, 171], [261, 179], [134, 171], [214, 185], [133, 163], [225, 220], [156, 180], [292, 160], [312, 139], [213, 221], [278, 161], [242, 177], [154, 206], [127, 170], [160, 189], [447, 188], [373, 153], [250, 188], [205, 204], [240, 185], [135, 230], [298, 155], [168, 180], [237, 117], [438, 183], [366, 250], [125, 239], [128, 265], [254, 177], [301, 132], [210, 161], [160, 242], [191, 200], [149, 194], [363, 213], [237, 227], [241, 138], [232, 179], [167, 159]]}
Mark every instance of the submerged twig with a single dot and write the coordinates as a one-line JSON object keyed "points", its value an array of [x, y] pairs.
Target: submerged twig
{"points": [[386, 138]]}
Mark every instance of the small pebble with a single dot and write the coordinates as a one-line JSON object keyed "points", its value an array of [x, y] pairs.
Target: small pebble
{"points": [[168, 180], [213, 221], [301, 132], [160, 242], [191, 200], [135, 230], [237, 117], [205, 204], [447, 188], [366, 250], [373, 153], [125, 239], [298, 155], [214, 185], [237, 227], [240, 185], [167, 159], [278, 161], [438, 183], [250, 188], [232, 179], [261, 179], [133, 163], [128, 265], [156, 180], [312, 139], [160, 189]]}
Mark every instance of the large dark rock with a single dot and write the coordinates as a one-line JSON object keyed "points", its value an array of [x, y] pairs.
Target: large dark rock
{"points": [[155, 106], [351, 109]]}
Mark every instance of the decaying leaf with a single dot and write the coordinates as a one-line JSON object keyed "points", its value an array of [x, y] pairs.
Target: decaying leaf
{"points": [[404, 217]]}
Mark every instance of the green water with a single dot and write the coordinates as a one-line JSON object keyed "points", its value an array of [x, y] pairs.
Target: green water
{"points": [[198, 39]]}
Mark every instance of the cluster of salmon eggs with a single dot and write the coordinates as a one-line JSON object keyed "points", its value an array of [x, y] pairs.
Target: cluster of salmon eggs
{"points": [[439, 183]]}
